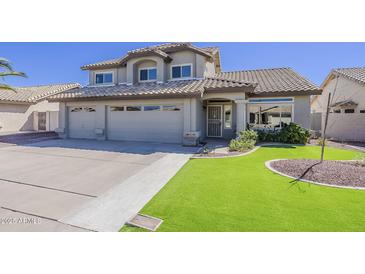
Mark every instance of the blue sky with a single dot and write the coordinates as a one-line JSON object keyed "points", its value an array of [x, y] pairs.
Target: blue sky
{"points": [[46, 63]]}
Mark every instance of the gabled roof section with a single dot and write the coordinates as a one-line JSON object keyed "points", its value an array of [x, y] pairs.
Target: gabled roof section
{"points": [[35, 93], [185, 88], [354, 74], [162, 51], [274, 81]]}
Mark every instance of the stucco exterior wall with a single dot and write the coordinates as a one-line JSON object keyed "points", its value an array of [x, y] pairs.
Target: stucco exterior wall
{"points": [[346, 126], [346, 89], [122, 75], [23, 117], [343, 126], [200, 67], [302, 111]]}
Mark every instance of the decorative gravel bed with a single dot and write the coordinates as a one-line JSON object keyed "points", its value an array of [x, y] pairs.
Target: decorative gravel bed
{"points": [[222, 153], [339, 173]]}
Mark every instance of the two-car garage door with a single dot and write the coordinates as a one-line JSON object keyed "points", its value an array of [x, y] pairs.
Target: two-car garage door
{"points": [[161, 123], [145, 123]]}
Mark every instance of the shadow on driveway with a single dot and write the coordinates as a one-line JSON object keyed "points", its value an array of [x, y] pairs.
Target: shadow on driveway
{"points": [[142, 148]]}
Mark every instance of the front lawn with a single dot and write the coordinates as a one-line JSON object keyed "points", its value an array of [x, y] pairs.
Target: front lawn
{"points": [[241, 194]]}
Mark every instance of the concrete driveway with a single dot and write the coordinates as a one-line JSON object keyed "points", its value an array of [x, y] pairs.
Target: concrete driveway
{"points": [[81, 185]]}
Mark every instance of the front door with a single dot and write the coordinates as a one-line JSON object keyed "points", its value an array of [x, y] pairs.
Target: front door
{"points": [[214, 121], [42, 120]]}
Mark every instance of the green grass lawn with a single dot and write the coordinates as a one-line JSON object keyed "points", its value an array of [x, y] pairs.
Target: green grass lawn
{"points": [[241, 194]]}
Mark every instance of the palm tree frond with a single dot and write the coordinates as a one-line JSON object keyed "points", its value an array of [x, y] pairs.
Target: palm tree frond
{"points": [[12, 73], [4, 63], [8, 71], [6, 87]]}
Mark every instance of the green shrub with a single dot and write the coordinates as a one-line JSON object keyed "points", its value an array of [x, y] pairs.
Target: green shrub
{"points": [[294, 134], [268, 136], [291, 134], [248, 135], [246, 140], [240, 145]]}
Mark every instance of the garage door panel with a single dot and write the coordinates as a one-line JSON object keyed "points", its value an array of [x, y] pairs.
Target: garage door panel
{"points": [[82, 122], [155, 126]]}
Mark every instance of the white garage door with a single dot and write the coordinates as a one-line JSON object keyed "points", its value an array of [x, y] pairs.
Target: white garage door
{"points": [[146, 123], [81, 122]]}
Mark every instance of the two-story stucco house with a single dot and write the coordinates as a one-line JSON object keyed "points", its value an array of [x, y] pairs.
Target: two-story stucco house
{"points": [[177, 93], [346, 120]]}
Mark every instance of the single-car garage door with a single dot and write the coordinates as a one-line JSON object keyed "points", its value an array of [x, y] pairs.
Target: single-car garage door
{"points": [[146, 123], [81, 122]]}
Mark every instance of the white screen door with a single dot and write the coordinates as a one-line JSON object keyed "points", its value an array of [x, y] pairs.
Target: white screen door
{"points": [[214, 121]]}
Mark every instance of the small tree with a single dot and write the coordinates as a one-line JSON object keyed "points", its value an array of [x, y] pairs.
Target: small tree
{"points": [[329, 102], [7, 70]]}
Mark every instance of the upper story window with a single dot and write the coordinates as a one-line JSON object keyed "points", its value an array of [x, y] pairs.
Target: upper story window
{"points": [[181, 71], [147, 74], [104, 78]]}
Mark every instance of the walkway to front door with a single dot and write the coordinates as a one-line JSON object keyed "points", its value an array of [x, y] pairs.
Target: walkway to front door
{"points": [[214, 121]]}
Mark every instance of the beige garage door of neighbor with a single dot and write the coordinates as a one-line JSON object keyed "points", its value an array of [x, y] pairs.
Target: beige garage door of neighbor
{"points": [[81, 122], [158, 123]]}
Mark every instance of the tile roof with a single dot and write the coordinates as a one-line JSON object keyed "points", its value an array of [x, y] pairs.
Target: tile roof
{"points": [[273, 80], [184, 88], [35, 93], [159, 50], [111, 62], [357, 74], [265, 81]]}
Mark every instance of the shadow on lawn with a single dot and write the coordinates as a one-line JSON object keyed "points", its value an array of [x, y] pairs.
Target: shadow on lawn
{"points": [[295, 181]]}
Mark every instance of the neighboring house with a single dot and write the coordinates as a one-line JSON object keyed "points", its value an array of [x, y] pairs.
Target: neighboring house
{"points": [[27, 108], [177, 93], [346, 120]]}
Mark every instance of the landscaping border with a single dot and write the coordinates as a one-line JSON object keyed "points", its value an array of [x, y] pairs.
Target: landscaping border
{"points": [[268, 165], [244, 153], [227, 156]]}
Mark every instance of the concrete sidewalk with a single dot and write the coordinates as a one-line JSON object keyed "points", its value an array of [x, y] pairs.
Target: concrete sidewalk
{"points": [[110, 211]]}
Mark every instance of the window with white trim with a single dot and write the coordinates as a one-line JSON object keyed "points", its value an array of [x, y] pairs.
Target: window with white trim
{"points": [[270, 116], [227, 116], [147, 74], [181, 71], [104, 78]]}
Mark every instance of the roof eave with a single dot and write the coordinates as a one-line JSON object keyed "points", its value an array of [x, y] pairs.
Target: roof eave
{"points": [[126, 97], [286, 93], [103, 66], [248, 88], [14, 102]]}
